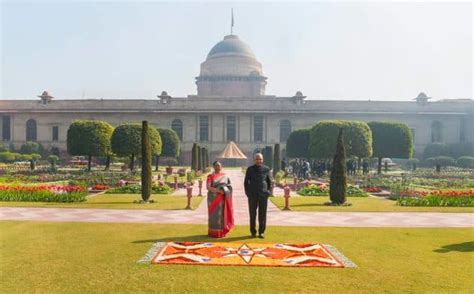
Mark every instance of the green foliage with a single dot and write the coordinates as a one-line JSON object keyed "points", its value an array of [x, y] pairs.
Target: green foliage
{"points": [[194, 157], [276, 159], [199, 157], [268, 157], [137, 189], [53, 159], [338, 179], [8, 156], [170, 143], [435, 150], [126, 140], [463, 201], [297, 145], [441, 160], [313, 190], [353, 191], [146, 162], [357, 139], [89, 137], [31, 147], [391, 139], [4, 147], [465, 161], [40, 194]]}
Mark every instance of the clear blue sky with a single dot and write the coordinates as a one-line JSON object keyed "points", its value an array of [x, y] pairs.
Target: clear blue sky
{"points": [[328, 50]]}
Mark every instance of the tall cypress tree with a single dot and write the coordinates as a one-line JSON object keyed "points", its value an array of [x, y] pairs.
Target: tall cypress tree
{"points": [[194, 162], [268, 158], [338, 181], [146, 162], [199, 158], [276, 159]]}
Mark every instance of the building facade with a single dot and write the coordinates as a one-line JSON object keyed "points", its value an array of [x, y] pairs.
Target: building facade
{"points": [[231, 105]]}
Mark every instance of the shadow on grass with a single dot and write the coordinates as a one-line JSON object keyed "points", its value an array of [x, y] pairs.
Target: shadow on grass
{"points": [[195, 238], [460, 247]]}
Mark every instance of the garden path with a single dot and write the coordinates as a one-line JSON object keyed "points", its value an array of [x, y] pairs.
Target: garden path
{"points": [[276, 217]]}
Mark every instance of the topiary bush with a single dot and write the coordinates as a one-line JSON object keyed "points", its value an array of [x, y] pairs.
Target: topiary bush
{"points": [[465, 161]]}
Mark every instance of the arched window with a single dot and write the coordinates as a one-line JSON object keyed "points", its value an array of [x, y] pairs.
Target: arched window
{"points": [[31, 130], [285, 130], [436, 132], [177, 126]]}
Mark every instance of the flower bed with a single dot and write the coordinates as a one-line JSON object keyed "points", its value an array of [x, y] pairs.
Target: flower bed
{"points": [[323, 190], [353, 191], [314, 190], [100, 187], [373, 190], [137, 189], [43, 193], [437, 198]]}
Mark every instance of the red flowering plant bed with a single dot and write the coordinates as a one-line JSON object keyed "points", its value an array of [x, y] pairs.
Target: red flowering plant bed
{"points": [[99, 187], [373, 190], [463, 197], [43, 193]]}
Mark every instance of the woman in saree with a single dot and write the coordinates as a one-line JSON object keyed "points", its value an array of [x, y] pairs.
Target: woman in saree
{"points": [[219, 202]]}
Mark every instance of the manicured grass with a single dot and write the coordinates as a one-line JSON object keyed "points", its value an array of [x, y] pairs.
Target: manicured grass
{"points": [[101, 258], [359, 204], [117, 201]]}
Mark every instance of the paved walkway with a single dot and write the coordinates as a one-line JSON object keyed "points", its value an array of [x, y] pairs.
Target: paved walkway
{"points": [[276, 217]]}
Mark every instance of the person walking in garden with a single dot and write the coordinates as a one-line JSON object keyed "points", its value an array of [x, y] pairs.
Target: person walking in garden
{"points": [[219, 203], [258, 184]]}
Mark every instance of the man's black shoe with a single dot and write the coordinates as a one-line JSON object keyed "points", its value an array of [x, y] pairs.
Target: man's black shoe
{"points": [[254, 235], [261, 236]]}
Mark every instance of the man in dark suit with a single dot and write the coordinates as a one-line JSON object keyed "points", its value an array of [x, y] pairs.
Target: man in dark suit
{"points": [[258, 184]]}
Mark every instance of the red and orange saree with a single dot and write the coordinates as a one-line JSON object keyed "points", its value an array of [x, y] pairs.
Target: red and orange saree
{"points": [[221, 213]]}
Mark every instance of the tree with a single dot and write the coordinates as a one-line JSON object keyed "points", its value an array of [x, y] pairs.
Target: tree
{"points": [[390, 139], [338, 180], [90, 138], [297, 145], [435, 150], [32, 158], [170, 145], [357, 138], [31, 147], [440, 161], [4, 147], [268, 158], [53, 159], [7, 156], [126, 141], [413, 162], [205, 158], [146, 162], [465, 161], [276, 160], [194, 157], [199, 158]]}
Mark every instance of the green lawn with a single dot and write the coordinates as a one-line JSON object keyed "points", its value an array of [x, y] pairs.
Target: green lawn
{"points": [[117, 201], [101, 258], [359, 204]]}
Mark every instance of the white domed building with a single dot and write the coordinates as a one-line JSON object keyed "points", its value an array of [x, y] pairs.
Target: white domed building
{"points": [[231, 70], [231, 105]]}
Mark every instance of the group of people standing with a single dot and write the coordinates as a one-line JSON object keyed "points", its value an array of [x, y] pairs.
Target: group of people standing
{"points": [[257, 184]]}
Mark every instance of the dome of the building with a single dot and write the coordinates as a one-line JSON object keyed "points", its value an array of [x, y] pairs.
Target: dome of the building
{"points": [[231, 69], [231, 45]]}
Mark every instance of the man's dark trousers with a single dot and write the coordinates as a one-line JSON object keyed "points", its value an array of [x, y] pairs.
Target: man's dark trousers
{"points": [[258, 203]]}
